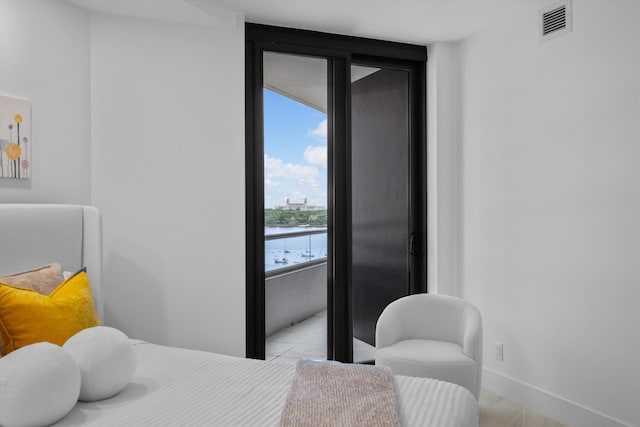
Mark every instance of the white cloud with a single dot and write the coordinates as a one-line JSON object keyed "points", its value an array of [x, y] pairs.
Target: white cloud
{"points": [[312, 183], [321, 131], [316, 156], [293, 181], [275, 167]]}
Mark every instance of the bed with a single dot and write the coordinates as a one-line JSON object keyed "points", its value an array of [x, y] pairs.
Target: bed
{"points": [[174, 386]]}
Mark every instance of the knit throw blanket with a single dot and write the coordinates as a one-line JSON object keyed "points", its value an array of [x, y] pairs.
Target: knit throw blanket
{"points": [[325, 394]]}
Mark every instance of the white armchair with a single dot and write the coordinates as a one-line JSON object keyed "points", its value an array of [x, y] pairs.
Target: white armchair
{"points": [[434, 336]]}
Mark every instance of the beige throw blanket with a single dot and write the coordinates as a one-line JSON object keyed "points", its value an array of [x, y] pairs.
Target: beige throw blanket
{"points": [[333, 394]]}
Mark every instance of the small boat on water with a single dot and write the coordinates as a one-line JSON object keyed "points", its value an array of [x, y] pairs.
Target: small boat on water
{"points": [[281, 261]]}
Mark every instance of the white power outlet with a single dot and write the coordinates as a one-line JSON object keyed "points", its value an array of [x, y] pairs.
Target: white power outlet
{"points": [[499, 351]]}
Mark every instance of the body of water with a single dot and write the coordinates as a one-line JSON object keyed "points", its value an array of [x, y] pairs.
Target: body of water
{"points": [[288, 251]]}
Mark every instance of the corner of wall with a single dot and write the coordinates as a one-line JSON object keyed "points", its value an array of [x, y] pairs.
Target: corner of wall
{"points": [[443, 188], [57, 83]]}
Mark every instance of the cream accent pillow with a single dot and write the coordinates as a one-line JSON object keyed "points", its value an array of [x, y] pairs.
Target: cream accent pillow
{"points": [[106, 359], [39, 384], [42, 280]]}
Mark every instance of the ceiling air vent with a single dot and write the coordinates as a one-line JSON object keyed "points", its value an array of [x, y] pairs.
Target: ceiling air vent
{"points": [[555, 19]]}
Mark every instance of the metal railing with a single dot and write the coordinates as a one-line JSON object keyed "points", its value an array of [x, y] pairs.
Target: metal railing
{"points": [[294, 234], [296, 252]]}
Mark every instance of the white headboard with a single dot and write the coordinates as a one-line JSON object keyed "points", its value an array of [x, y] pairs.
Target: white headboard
{"points": [[32, 235]]}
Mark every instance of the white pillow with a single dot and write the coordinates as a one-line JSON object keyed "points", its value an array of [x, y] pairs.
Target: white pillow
{"points": [[106, 360], [39, 384]]}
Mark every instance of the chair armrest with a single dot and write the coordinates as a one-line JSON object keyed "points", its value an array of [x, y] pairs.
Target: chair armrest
{"points": [[392, 323]]}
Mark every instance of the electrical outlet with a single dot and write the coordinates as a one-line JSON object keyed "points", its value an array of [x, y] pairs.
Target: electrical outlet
{"points": [[499, 351]]}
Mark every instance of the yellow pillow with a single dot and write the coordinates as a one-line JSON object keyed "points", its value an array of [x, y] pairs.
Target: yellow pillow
{"points": [[28, 317]]}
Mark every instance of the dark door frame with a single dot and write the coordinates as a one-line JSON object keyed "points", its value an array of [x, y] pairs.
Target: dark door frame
{"points": [[340, 52]]}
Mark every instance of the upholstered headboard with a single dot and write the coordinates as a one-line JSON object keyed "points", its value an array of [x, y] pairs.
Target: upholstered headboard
{"points": [[32, 235]]}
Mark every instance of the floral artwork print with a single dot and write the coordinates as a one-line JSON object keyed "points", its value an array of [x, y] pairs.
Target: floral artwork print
{"points": [[15, 138]]}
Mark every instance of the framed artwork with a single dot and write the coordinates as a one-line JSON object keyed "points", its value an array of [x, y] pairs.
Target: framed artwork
{"points": [[15, 138]]}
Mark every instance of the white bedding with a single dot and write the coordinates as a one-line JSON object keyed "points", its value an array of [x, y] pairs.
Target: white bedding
{"points": [[178, 387]]}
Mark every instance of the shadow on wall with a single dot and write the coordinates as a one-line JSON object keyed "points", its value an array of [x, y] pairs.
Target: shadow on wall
{"points": [[133, 302], [23, 184]]}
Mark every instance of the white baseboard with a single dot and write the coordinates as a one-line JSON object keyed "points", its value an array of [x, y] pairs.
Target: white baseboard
{"points": [[545, 403]]}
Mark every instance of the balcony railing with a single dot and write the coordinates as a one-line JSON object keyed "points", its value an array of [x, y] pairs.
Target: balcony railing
{"points": [[286, 252], [296, 277]]}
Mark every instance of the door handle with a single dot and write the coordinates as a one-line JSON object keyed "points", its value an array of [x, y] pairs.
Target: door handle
{"points": [[415, 244]]}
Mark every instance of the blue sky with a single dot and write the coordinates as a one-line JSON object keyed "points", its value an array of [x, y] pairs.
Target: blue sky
{"points": [[295, 148]]}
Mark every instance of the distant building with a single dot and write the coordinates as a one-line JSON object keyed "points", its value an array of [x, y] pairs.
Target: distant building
{"points": [[300, 206]]}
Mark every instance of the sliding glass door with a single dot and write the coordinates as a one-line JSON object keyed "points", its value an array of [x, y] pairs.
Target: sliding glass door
{"points": [[367, 99], [295, 205]]}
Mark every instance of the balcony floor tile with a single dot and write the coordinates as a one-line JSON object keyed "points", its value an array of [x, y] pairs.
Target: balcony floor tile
{"points": [[308, 340]]}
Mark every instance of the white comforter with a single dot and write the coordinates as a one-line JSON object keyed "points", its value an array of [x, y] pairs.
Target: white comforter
{"points": [[178, 387]]}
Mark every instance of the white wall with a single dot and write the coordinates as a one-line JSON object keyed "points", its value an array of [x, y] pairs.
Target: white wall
{"points": [[44, 57], [146, 121], [549, 200], [168, 175], [443, 139]]}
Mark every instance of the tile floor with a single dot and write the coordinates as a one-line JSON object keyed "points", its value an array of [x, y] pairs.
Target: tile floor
{"points": [[307, 339]]}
